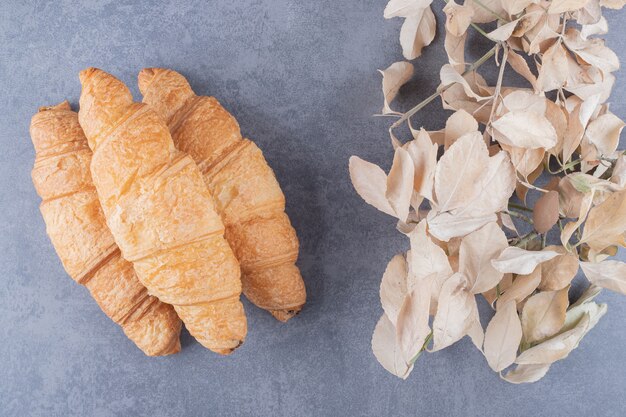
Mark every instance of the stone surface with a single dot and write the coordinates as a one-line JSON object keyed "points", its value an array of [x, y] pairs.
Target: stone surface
{"points": [[301, 78]]}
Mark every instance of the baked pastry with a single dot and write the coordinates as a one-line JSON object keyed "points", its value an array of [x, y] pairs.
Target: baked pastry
{"points": [[246, 192], [161, 213], [77, 229]]}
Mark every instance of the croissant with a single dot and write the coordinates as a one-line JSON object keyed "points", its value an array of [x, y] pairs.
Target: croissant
{"points": [[78, 231], [161, 213], [244, 187]]}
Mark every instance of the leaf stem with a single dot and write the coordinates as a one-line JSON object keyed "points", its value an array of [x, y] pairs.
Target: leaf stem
{"points": [[520, 216], [424, 346], [519, 207], [441, 89]]}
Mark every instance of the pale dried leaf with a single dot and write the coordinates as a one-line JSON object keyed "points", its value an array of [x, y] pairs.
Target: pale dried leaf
{"points": [[454, 312], [455, 49], [513, 7], [457, 125], [592, 51], [458, 17], [557, 273], [503, 32], [412, 328], [387, 350], [619, 172], [544, 314], [613, 4], [370, 182], [503, 337], [393, 287], [521, 261], [553, 71], [394, 77], [561, 6], [606, 274], [458, 171], [606, 223], [520, 66], [525, 129], [423, 152], [524, 374], [601, 27], [484, 12], [546, 211], [522, 287], [449, 75], [404, 8], [417, 32], [400, 183], [604, 133], [476, 252], [570, 228]]}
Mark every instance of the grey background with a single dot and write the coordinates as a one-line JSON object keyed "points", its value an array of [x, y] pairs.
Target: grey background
{"points": [[301, 79]]}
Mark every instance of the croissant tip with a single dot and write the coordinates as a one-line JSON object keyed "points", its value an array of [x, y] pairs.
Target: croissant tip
{"points": [[145, 77], [285, 315], [86, 73], [64, 105]]}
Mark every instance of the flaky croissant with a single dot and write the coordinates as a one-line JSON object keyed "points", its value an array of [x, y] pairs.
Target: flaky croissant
{"points": [[244, 187], [78, 231], [161, 213]]}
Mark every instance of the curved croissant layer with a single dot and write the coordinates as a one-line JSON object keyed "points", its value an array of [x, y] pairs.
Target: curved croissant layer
{"points": [[243, 185], [161, 213], [77, 228]]}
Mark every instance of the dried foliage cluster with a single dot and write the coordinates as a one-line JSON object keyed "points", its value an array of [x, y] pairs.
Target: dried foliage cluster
{"points": [[450, 189]]}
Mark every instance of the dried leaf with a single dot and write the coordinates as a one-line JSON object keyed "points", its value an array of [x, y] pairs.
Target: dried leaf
{"points": [[554, 69], [457, 125], [458, 171], [544, 314], [394, 77], [404, 8], [613, 4], [503, 32], [592, 51], [370, 182], [513, 7], [387, 350], [476, 252], [561, 6], [520, 66], [522, 287], [393, 287], [604, 133], [601, 27], [454, 312], [570, 228], [503, 337], [417, 32], [606, 223], [607, 274], [423, 152], [546, 211], [557, 273], [525, 129], [412, 327], [400, 183], [455, 49], [449, 75], [521, 261], [619, 172], [458, 17], [485, 12], [523, 374]]}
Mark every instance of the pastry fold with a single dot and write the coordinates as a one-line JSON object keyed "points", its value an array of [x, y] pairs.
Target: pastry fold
{"points": [[161, 213], [247, 194], [78, 231]]}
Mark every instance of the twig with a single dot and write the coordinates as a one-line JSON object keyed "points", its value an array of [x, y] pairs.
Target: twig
{"points": [[520, 216], [496, 93], [519, 207]]}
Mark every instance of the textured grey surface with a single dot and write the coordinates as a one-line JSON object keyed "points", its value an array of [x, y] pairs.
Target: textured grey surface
{"points": [[300, 77]]}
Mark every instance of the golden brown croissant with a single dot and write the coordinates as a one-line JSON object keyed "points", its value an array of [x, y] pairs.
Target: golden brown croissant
{"points": [[243, 185], [161, 213], [78, 231]]}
